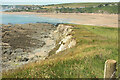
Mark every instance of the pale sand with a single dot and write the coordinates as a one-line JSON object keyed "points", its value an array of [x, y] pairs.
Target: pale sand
{"points": [[108, 20]]}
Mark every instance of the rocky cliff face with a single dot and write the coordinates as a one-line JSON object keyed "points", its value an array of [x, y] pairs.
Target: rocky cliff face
{"points": [[63, 34]]}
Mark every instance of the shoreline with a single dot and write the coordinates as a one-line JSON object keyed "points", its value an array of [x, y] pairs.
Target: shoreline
{"points": [[95, 19], [53, 13]]}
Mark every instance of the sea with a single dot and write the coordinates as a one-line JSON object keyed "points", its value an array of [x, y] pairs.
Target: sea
{"points": [[28, 18]]}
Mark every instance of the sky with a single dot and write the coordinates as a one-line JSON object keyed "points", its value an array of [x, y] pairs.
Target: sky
{"points": [[45, 2]]}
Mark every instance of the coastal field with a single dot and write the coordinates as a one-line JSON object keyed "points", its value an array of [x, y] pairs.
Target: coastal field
{"points": [[95, 45], [74, 5], [95, 19]]}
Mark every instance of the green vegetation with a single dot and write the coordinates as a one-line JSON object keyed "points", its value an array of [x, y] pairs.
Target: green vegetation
{"points": [[111, 8], [94, 46], [73, 5], [102, 9]]}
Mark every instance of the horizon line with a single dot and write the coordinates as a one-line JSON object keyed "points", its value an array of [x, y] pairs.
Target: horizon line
{"points": [[45, 3]]}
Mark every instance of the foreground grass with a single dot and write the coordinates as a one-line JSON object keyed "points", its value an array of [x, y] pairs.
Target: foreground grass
{"points": [[94, 46]]}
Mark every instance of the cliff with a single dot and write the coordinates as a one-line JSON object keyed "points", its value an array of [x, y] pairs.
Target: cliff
{"points": [[64, 36]]}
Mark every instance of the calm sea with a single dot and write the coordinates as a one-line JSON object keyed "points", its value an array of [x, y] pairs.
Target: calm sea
{"points": [[22, 19]]}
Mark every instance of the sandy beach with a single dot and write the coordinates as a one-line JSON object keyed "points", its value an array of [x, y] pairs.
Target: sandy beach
{"points": [[108, 20]]}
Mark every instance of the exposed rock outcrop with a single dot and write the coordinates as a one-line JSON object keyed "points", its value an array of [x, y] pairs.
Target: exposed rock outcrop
{"points": [[32, 42], [63, 34], [24, 43]]}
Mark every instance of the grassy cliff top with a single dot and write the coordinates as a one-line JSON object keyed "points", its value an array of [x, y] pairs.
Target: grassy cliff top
{"points": [[94, 46]]}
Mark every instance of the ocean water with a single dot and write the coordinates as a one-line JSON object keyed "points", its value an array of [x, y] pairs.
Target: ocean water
{"points": [[22, 19]]}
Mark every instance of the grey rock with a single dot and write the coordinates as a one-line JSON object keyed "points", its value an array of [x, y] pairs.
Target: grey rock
{"points": [[24, 60], [18, 50]]}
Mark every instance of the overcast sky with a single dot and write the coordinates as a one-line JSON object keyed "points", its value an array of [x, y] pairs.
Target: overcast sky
{"points": [[51, 1]]}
